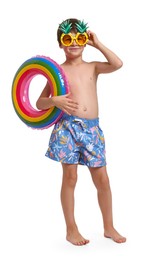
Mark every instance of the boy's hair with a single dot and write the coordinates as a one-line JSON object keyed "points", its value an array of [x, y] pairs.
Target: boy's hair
{"points": [[73, 22]]}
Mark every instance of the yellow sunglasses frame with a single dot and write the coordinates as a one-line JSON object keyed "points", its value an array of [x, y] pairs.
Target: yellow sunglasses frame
{"points": [[74, 38]]}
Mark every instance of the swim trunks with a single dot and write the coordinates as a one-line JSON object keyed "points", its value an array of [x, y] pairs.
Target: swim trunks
{"points": [[76, 140]]}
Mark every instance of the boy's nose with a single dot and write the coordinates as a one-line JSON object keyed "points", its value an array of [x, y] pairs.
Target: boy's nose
{"points": [[74, 42]]}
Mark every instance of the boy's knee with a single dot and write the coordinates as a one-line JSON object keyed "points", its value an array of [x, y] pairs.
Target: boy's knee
{"points": [[104, 183], [70, 176]]}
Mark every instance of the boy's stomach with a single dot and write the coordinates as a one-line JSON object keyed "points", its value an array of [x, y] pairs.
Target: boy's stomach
{"points": [[89, 111]]}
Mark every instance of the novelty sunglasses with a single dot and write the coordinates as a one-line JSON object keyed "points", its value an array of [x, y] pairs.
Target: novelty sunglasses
{"points": [[80, 38]]}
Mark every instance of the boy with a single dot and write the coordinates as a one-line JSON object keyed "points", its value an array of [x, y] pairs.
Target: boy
{"points": [[77, 138]]}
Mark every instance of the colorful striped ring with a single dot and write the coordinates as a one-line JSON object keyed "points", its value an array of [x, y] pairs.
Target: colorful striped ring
{"points": [[39, 65]]}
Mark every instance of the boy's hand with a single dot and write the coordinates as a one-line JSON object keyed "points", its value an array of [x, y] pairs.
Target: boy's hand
{"points": [[65, 103], [93, 40]]}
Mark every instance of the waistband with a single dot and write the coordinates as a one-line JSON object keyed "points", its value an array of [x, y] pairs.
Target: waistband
{"points": [[85, 121]]}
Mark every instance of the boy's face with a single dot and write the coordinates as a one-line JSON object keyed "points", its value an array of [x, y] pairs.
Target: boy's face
{"points": [[71, 48]]}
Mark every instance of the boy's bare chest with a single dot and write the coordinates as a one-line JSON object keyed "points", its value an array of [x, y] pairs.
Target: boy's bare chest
{"points": [[81, 76]]}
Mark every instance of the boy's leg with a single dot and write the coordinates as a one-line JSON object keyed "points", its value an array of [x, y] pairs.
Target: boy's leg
{"points": [[101, 181], [67, 199]]}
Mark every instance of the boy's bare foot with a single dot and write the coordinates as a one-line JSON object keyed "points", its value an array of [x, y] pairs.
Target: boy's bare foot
{"points": [[76, 238], [114, 235]]}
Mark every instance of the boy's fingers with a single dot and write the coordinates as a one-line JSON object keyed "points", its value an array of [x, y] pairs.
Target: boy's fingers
{"points": [[73, 102], [68, 94]]}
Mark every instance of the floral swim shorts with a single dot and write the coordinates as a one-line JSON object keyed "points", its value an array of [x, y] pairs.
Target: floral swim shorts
{"points": [[76, 140]]}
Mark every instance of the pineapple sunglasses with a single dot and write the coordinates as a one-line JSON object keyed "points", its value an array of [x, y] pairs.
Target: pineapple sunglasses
{"points": [[80, 38]]}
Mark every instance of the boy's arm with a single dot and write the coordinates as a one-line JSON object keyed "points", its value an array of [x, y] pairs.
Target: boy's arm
{"points": [[44, 101], [63, 102], [113, 61]]}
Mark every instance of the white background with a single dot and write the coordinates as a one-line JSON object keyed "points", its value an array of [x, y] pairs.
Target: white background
{"points": [[31, 220]]}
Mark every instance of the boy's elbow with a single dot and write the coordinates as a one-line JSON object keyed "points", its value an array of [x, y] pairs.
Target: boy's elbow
{"points": [[38, 105], [119, 64]]}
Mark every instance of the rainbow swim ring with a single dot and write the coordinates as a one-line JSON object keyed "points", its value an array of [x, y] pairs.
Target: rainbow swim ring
{"points": [[39, 65]]}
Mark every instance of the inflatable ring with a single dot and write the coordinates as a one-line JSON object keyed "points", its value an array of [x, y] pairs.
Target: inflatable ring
{"points": [[38, 119]]}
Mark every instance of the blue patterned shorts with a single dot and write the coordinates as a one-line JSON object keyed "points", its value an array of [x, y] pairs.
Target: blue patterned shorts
{"points": [[77, 140]]}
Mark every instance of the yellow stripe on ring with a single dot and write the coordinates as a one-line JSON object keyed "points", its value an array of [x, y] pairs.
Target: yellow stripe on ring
{"points": [[45, 115]]}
